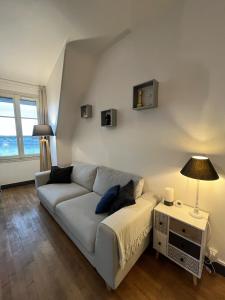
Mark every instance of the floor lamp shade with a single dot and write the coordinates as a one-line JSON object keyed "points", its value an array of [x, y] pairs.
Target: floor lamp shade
{"points": [[199, 168], [45, 155], [42, 130]]}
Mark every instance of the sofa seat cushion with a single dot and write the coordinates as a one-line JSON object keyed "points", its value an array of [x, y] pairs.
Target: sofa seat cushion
{"points": [[78, 215], [52, 194]]}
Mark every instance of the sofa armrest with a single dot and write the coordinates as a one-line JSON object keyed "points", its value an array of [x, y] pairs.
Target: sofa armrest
{"points": [[106, 254], [41, 178], [107, 250]]}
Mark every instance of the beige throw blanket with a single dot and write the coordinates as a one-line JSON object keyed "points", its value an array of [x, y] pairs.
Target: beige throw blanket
{"points": [[131, 225]]}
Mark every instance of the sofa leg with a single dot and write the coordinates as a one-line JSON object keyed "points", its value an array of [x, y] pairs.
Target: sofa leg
{"points": [[108, 287]]}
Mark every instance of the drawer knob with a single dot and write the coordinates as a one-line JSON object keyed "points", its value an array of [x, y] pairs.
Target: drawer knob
{"points": [[159, 243], [160, 223], [183, 230], [181, 259]]}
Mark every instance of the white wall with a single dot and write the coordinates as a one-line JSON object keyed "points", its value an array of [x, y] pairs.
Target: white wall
{"points": [[53, 98], [77, 71], [67, 87], [183, 48], [18, 170]]}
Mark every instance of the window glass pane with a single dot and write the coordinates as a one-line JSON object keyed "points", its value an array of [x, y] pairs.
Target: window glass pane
{"points": [[7, 126], [8, 140], [28, 109], [30, 143], [27, 126], [6, 107]]}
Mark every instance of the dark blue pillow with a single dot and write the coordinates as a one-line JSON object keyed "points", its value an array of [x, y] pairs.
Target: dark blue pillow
{"points": [[105, 203], [125, 198]]}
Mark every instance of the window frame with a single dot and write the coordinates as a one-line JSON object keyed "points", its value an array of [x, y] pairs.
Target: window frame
{"points": [[18, 123]]}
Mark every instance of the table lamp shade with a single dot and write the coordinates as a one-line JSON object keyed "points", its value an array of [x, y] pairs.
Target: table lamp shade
{"points": [[199, 167], [42, 130]]}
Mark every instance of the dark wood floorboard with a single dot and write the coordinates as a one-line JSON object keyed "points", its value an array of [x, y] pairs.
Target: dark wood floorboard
{"points": [[38, 261]]}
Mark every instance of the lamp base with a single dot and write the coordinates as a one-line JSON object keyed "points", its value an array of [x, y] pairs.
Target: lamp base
{"points": [[195, 214]]}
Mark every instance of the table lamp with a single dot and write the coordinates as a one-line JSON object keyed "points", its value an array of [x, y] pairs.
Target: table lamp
{"points": [[45, 156], [200, 168]]}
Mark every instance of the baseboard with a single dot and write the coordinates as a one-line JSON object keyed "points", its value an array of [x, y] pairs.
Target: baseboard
{"points": [[216, 266], [10, 185], [219, 266]]}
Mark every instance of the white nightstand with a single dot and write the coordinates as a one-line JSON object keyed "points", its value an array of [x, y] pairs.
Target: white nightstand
{"points": [[180, 237]]}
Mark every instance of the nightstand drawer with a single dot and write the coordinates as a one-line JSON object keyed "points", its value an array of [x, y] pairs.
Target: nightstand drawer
{"points": [[161, 222], [183, 260], [186, 230], [184, 245], [160, 242]]}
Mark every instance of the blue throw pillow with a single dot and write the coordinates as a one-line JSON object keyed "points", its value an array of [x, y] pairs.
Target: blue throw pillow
{"points": [[105, 203]]}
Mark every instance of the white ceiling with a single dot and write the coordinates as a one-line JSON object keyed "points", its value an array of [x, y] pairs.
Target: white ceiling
{"points": [[33, 32]]}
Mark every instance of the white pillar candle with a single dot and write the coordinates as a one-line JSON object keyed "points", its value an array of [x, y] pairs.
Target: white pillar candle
{"points": [[169, 194]]}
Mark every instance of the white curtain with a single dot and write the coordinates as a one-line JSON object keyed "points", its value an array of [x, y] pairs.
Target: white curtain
{"points": [[43, 108], [45, 156]]}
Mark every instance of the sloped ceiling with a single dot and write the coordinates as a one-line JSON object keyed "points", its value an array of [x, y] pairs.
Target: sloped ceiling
{"points": [[33, 32]]}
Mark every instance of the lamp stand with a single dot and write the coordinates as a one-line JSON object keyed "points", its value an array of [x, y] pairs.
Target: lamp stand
{"points": [[195, 212], [45, 155]]}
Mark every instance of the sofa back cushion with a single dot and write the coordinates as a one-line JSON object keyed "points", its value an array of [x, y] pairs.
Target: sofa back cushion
{"points": [[107, 177], [84, 174]]}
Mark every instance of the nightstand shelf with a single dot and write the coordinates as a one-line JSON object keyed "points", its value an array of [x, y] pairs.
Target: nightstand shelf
{"points": [[181, 237]]}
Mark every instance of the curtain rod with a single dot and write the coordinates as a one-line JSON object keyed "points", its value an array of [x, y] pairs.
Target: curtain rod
{"points": [[21, 82]]}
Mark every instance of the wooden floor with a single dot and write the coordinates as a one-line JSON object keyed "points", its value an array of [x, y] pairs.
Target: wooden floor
{"points": [[38, 261]]}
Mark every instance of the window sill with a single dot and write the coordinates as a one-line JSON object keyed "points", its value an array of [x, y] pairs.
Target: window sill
{"points": [[18, 159]]}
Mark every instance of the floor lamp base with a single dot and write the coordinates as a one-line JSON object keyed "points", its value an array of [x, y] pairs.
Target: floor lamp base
{"points": [[45, 156]]}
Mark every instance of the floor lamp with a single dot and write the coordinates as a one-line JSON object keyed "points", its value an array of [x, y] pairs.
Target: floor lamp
{"points": [[45, 156]]}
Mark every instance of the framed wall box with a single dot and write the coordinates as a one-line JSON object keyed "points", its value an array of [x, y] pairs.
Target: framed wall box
{"points": [[86, 111], [109, 118], [145, 95]]}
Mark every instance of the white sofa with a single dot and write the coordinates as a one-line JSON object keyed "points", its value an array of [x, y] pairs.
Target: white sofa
{"points": [[73, 207]]}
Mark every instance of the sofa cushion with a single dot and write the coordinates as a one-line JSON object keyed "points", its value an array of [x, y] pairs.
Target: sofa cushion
{"points": [[107, 199], [52, 194], [124, 198], [84, 174], [78, 216], [60, 175], [107, 177]]}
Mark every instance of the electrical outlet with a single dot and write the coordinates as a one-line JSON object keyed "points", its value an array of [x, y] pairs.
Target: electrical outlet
{"points": [[213, 253]]}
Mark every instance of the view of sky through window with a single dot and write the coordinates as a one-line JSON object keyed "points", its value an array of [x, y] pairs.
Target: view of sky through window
{"points": [[13, 127]]}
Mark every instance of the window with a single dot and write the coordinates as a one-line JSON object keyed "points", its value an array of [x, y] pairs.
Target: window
{"points": [[29, 118], [17, 118], [8, 136]]}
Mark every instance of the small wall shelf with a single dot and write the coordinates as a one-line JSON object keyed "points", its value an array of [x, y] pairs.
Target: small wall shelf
{"points": [[109, 118], [145, 95], [86, 111]]}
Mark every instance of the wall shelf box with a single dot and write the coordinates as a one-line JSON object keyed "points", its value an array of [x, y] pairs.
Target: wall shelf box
{"points": [[86, 111], [145, 95], [108, 118]]}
